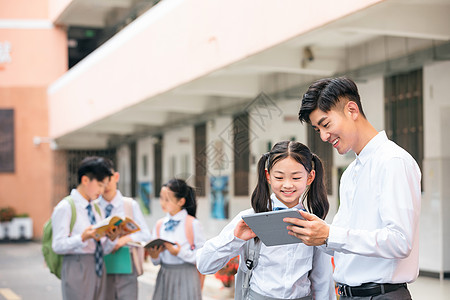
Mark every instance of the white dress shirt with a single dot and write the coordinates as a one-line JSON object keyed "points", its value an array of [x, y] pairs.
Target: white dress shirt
{"points": [[186, 254], [65, 242], [284, 272], [118, 209], [375, 233]]}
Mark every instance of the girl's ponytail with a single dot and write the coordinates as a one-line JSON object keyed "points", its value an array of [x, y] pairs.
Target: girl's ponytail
{"points": [[191, 204], [316, 196], [261, 193], [183, 190]]}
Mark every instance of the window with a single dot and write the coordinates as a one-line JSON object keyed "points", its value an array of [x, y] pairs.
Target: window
{"points": [[6, 140], [404, 112]]}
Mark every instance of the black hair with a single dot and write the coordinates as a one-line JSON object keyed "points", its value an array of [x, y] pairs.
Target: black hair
{"points": [[315, 195], [326, 94], [93, 167], [183, 190], [110, 164]]}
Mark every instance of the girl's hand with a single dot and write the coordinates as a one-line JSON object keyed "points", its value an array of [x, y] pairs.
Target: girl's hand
{"points": [[243, 232], [173, 249], [155, 251]]}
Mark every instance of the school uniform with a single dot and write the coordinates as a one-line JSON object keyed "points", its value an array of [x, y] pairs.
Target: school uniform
{"points": [[289, 271], [178, 277], [375, 233], [125, 286], [78, 274]]}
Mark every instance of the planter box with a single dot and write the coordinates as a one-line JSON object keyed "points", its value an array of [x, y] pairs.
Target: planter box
{"points": [[17, 229], [4, 230]]}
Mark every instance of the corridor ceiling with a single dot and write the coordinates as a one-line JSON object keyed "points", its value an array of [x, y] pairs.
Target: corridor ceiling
{"points": [[351, 43]]}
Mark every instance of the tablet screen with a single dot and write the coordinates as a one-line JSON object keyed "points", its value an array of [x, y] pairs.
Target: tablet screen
{"points": [[270, 228]]}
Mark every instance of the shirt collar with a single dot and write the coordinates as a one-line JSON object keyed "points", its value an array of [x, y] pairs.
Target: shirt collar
{"points": [[278, 203], [178, 216], [371, 147], [115, 201], [79, 198]]}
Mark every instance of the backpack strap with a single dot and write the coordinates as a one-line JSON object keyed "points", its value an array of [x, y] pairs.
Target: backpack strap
{"points": [[158, 227], [74, 212], [128, 207], [189, 229], [252, 249], [97, 208]]}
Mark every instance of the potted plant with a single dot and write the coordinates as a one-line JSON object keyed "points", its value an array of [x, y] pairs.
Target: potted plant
{"points": [[226, 274], [6, 215]]}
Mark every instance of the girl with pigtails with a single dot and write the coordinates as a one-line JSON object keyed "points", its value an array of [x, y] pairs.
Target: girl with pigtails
{"points": [[294, 271]]}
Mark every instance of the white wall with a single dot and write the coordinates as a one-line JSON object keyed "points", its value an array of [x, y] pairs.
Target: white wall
{"points": [[178, 154], [434, 224], [124, 168]]}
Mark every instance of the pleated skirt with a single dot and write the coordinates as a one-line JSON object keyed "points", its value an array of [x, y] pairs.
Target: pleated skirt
{"points": [[177, 282]]}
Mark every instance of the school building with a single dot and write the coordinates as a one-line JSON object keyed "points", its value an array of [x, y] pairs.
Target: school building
{"points": [[199, 89]]}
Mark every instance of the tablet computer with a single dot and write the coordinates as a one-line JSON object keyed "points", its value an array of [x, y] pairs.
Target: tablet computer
{"points": [[271, 229]]}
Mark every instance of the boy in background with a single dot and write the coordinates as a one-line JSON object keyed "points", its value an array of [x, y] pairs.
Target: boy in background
{"points": [[83, 274], [123, 286]]}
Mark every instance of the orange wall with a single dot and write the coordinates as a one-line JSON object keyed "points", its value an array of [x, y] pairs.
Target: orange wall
{"points": [[23, 9], [28, 189], [38, 57]]}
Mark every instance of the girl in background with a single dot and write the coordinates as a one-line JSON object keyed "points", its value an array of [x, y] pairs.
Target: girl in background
{"points": [[178, 277], [293, 271]]}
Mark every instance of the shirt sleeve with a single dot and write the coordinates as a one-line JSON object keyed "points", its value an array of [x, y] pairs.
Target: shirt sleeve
{"points": [[186, 253], [399, 212], [217, 251], [321, 276], [63, 241], [142, 235]]}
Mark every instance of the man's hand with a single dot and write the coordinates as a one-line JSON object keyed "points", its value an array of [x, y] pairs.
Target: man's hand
{"points": [[315, 231], [243, 232]]}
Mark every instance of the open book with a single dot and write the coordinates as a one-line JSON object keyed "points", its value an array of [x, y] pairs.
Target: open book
{"points": [[157, 242], [115, 226]]}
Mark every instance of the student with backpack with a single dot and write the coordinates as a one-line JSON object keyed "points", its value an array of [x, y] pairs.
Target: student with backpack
{"points": [[83, 273], [178, 277], [292, 271], [124, 286]]}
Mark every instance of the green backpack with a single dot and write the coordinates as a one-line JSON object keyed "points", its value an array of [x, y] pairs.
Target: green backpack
{"points": [[53, 260]]}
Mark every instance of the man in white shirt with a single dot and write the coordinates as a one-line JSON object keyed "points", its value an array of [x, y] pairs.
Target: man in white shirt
{"points": [[374, 236], [123, 286]]}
